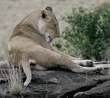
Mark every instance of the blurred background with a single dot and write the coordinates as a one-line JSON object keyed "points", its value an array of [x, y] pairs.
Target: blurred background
{"points": [[13, 11]]}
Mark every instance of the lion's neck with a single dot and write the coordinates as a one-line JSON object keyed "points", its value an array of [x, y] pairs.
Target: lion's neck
{"points": [[31, 33]]}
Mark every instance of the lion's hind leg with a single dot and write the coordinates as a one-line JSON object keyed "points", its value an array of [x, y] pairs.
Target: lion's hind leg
{"points": [[27, 71]]}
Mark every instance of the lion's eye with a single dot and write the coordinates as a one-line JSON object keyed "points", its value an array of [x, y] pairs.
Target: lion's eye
{"points": [[55, 26]]}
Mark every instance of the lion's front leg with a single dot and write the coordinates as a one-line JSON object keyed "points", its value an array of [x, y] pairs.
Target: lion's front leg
{"points": [[78, 65], [84, 63], [80, 69]]}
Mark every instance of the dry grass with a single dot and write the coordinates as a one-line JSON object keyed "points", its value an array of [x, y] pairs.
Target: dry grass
{"points": [[13, 11], [13, 76], [14, 81]]}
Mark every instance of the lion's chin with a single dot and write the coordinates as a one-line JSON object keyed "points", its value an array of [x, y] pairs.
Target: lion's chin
{"points": [[48, 39]]}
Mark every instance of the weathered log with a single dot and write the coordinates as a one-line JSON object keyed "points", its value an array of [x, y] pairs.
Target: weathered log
{"points": [[62, 84]]}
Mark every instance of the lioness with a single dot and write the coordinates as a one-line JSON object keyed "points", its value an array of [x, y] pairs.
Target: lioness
{"points": [[30, 43]]}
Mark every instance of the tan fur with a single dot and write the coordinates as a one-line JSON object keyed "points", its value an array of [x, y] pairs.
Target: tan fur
{"points": [[30, 43]]}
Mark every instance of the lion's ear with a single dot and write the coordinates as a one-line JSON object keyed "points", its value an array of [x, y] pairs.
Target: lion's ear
{"points": [[49, 9], [44, 14]]}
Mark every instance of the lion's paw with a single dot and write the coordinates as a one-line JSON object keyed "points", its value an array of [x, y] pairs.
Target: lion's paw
{"points": [[99, 68], [25, 84]]}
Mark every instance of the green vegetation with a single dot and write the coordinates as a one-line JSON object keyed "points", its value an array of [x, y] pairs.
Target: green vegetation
{"points": [[89, 32]]}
